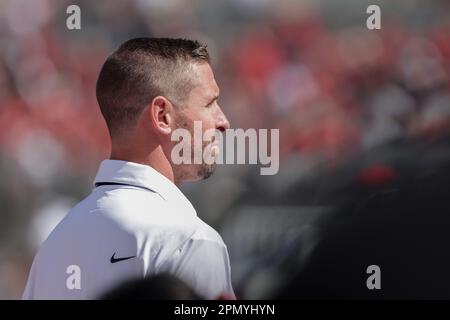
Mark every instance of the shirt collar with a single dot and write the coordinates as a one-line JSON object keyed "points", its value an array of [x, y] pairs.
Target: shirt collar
{"points": [[139, 175]]}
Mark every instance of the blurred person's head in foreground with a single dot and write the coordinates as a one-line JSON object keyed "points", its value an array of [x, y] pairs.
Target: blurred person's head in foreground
{"points": [[150, 87], [158, 287]]}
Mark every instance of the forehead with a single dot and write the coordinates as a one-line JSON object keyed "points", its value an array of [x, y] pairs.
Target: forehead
{"points": [[206, 86]]}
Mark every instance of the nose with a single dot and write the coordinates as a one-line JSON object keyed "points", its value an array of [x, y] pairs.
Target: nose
{"points": [[222, 122]]}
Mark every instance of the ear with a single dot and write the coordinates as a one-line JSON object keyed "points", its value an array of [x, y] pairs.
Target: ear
{"points": [[161, 115]]}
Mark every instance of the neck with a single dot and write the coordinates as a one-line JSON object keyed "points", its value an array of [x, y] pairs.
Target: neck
{"points": [[154, 158]]}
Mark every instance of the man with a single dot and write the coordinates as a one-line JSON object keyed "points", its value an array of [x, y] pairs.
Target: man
{"points": [[136, 222]]}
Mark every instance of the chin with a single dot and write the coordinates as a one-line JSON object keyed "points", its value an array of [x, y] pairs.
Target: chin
{"points": [[194, 173], [205, 171]]}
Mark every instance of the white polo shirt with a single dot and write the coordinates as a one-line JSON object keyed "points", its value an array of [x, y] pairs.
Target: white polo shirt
{"points": [[135, 223]]}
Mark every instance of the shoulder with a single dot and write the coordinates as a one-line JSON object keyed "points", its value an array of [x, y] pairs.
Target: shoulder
{"points": [[206, 233], [131, 213], [145, 211]]}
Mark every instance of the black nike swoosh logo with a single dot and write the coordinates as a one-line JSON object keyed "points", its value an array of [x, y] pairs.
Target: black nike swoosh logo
{"points": [[114, 259]]}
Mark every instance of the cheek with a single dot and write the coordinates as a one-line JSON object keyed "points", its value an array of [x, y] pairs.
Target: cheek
{"points": [[207, 119]]}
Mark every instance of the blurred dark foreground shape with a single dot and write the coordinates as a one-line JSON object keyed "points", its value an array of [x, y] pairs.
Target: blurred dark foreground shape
{"points": [[404, 228]]}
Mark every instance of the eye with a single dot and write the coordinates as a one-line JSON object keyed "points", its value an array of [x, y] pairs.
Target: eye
{"points": [[209, 105]]}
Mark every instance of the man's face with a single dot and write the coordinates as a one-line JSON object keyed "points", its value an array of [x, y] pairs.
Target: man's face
{"points": [[201, 105]]}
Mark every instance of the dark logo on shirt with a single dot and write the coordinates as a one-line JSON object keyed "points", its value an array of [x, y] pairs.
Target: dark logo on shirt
{"points": [[114, 259]]}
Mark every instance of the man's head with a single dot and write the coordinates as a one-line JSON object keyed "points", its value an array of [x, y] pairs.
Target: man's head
{"points": [[148, 88]]}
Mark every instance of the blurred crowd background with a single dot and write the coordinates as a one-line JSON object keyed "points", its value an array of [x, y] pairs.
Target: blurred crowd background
{"points": [[357, 109]]}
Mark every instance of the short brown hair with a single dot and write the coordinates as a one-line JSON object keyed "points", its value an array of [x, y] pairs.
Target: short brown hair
{"points": [[141, 69]]}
